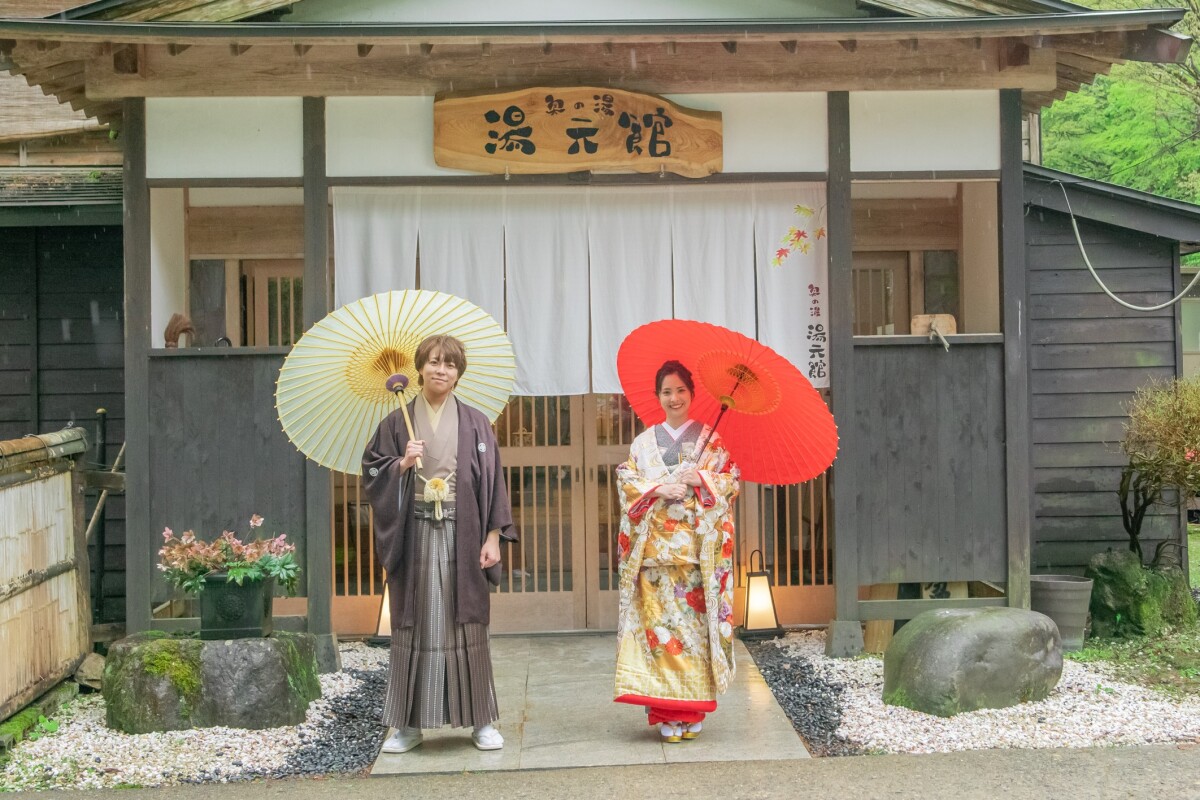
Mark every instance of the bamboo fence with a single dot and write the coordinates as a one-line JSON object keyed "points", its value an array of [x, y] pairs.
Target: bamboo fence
{"points": [[44, 615]]}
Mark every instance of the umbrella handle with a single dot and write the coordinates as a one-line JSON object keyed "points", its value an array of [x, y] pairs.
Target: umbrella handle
{"points": [[408, 424]]}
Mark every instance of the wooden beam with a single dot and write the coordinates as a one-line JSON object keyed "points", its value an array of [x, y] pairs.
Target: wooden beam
{"points": [[175, 48], [844, 637], [301, 49], [236, 49], [269, 71], [1014, 54], [1014, 310], [139, 563], [672, 48], [485, 49], [125, 61], [364, 50], [426, 49], [318, 485]]}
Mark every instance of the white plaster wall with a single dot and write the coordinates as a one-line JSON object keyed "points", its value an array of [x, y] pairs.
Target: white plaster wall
{"points": [[769, 131], [168, 260], [980, 258], [380, 136], [423, 11], [763, 132], [928, 130], [224, 137]]}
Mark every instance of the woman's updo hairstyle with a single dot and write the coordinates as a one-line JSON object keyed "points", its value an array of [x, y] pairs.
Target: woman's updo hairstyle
{"points": [[674, 368]]}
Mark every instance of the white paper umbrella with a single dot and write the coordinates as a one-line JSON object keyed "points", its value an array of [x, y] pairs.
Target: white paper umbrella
{"points": [[332, 391]]}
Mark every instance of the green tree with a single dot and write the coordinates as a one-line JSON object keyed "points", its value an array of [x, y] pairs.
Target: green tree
{"points": [[1139, 126]]}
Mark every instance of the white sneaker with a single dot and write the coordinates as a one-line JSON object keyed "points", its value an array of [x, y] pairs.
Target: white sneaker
{"points": [[487, 738], [403, 740]]}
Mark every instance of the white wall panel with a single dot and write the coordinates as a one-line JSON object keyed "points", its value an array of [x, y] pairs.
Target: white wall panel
{"points": [[224, 137], [921, 131], [380, 136], [393, 136], [769, 131], [168, 255]]}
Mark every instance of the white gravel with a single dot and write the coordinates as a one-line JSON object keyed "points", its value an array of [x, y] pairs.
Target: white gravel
{"points": [[85, 754], [1087, 709]]}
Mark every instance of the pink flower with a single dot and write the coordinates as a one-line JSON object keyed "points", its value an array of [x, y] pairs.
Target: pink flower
{"points": [[168, 533], [1191, 455], [255, 521]]}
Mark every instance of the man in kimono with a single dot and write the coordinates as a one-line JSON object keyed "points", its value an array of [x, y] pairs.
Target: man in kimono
{"points": [[441, 509]]}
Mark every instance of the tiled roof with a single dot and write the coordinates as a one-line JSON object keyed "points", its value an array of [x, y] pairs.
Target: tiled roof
{"points": [[45, 186]]}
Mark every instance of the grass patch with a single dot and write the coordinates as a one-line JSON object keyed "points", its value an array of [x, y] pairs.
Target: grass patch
{"points": [[1194, 555], [1169, 663]]}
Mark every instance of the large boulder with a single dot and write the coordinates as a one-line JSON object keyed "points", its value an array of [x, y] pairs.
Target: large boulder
{"points": [[1129, 599], [157, 682], [953, 660]]}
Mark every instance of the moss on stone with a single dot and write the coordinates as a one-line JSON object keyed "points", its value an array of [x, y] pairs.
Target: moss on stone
{"points": [[300, 664], [178, 660], [1129, 599], [20, 724]]}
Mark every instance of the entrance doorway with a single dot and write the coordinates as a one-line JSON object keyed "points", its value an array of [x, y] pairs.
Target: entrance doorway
{"points": [[559, 456]]}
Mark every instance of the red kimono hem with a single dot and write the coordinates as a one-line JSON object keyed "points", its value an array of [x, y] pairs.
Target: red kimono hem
{"points": [[664, 710]]}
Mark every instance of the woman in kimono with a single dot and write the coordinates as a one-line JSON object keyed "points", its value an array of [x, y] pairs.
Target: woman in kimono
{"points": [[675, 631], [438, 526]]}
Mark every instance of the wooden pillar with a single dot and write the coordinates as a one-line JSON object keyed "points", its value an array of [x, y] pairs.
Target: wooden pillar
{"points": [[1015, 304], [318, 488], [845, 637], [139, 542]]}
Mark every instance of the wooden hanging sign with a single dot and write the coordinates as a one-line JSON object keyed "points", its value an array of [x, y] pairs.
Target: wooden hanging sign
{"points": [[552, 130]]}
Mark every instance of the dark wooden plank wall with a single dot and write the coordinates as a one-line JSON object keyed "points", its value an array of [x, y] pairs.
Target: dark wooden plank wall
{"points": [[1087, 356], [217, 451], [930, 490], [61, 333], [18, 330]]}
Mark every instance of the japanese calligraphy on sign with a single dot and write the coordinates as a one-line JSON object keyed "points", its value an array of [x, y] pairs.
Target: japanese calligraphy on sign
{"points": [[548, 130]]}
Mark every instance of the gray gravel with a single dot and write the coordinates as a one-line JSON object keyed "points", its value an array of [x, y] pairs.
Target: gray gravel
{"points": [[812, 702]]}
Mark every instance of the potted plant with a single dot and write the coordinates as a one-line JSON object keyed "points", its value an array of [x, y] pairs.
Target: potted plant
{"points": [[233, 579]]}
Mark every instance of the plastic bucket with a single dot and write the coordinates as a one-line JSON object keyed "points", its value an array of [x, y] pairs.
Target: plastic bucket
{"points": [[1064, 599]]}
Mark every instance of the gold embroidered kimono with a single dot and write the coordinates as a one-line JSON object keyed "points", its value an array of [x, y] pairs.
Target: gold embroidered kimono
{"points": [[675, 623]]}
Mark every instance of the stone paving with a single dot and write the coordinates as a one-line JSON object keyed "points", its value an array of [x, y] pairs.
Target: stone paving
{"points": [[556, 711]]}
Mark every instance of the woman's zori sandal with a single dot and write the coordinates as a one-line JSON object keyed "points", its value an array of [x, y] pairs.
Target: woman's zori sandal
{"points": [[671, 731], [692, 731]]}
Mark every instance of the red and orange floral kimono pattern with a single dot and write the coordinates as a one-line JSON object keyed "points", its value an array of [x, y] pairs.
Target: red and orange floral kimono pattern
{"points": [[675, 623]]}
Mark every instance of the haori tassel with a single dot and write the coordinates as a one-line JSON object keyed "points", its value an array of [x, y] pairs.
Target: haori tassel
{"points": [[436, 490]]}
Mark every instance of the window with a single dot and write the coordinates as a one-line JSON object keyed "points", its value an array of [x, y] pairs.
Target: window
{"points": [[925, 248]]}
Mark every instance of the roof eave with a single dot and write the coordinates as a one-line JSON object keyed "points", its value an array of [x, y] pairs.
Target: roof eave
{"points": [[553, 31], [1111, 204]]}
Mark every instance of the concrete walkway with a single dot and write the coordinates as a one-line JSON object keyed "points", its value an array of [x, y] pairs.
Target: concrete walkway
{"points": [[556, 711], [1161, 772]]}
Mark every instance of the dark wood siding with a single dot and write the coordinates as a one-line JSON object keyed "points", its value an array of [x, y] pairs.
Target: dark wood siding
{"points": [[18, 328], [930, 501], [217, 451], [1087, 356], [61, 329]]}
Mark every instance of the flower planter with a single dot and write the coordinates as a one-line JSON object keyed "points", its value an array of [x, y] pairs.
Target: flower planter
{"points": [[230, 611], [1064, 599]]}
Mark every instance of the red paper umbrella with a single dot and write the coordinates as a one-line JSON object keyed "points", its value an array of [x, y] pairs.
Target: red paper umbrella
{"points": [[773, 422]]}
